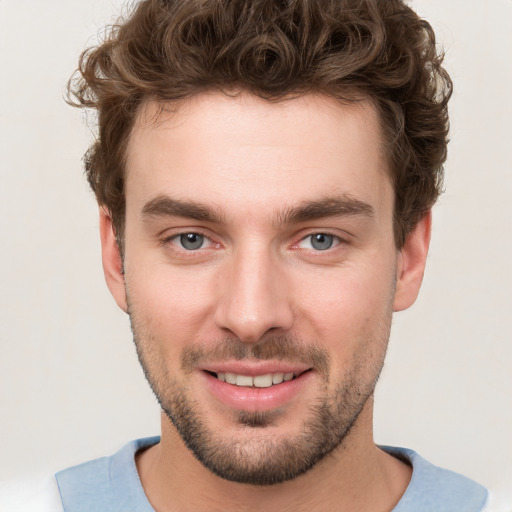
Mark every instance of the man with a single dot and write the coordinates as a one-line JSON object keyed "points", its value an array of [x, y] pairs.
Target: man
{"points": [[265, 172]]}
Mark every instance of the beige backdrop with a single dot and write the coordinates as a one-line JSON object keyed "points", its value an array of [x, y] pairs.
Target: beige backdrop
{"points": [[71, 388]]}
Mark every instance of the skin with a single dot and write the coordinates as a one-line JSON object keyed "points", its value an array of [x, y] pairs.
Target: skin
{"points": [[251, 163]]}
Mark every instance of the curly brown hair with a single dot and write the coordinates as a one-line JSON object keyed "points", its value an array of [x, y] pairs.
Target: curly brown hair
{"points": [[346, 49]]}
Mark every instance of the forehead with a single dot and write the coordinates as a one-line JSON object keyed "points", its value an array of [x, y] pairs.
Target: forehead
{"points": [[244, 152]]}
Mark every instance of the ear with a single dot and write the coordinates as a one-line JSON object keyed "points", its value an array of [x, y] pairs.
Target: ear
{"points": [[411, 264], [111, 258]]}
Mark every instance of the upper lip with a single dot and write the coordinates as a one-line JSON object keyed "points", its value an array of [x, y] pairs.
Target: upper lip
{"points": [[254, 369]]}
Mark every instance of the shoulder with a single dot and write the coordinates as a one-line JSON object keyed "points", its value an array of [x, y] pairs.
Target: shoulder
{"points": [[436, 489], [109, 483], [32, 495]]}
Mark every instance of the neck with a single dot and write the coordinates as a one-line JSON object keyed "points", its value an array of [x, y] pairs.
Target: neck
{"points": [[356, 476]]}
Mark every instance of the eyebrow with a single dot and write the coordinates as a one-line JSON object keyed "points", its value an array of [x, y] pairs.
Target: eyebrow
{"points": [[165, 206], [335, 206]]}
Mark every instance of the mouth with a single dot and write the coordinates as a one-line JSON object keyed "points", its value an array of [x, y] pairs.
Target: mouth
{"points": [[257, 381], [257, 388]]}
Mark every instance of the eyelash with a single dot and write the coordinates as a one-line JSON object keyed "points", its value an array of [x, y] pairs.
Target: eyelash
{"points": [[168, 241], [336, 241]]}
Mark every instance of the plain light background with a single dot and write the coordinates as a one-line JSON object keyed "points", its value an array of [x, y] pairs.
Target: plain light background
{"points": [[70, 385]]}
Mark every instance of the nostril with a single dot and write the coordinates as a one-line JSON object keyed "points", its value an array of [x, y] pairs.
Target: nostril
{"points": [[249, 320]]}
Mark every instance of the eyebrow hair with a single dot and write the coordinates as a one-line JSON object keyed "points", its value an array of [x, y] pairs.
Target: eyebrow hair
{"points": [[334, 206], [165, 206]]}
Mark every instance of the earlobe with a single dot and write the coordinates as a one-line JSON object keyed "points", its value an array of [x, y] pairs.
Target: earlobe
{"points": [[411, 264], [111, 258]]}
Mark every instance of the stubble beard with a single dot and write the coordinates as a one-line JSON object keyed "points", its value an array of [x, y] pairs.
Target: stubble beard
{"points": [[261, 459], [258, 457]]}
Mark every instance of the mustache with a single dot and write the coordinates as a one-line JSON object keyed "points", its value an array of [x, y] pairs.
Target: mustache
{"points": [[281, 348]]}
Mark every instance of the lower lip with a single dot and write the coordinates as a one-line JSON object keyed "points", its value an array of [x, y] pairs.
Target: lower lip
{"points": [[251, 399]]}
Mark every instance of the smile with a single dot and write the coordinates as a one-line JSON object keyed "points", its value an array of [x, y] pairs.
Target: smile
{"points": [[259, 381], [252, 389]]}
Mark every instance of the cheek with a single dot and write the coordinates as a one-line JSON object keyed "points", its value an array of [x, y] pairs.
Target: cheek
{"points": [[347, 309], [171, 305]]}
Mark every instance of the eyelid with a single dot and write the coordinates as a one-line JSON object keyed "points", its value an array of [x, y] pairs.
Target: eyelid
{"points": [[337, 236], [171, 238], [337, 240]]}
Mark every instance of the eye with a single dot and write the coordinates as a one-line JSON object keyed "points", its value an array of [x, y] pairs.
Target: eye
{"points": [[319, 242], [191, 241]]}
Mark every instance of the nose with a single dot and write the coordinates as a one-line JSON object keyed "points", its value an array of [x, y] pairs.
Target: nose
{"points": [[254, 296]]}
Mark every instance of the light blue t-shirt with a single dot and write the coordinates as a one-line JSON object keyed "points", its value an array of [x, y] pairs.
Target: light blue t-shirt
{"points": [[112, 484]]}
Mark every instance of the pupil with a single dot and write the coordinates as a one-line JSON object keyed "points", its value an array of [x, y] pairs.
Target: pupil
{"points": [[191, 241], [321, 241]]}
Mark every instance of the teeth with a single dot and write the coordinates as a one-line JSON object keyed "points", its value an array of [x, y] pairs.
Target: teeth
{"points": [[244, 380], [260, 381], [231, 378], [263, 381], [277, 378]]}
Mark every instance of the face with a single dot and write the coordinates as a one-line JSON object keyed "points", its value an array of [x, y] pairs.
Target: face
{"points": [[260, 275]]}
